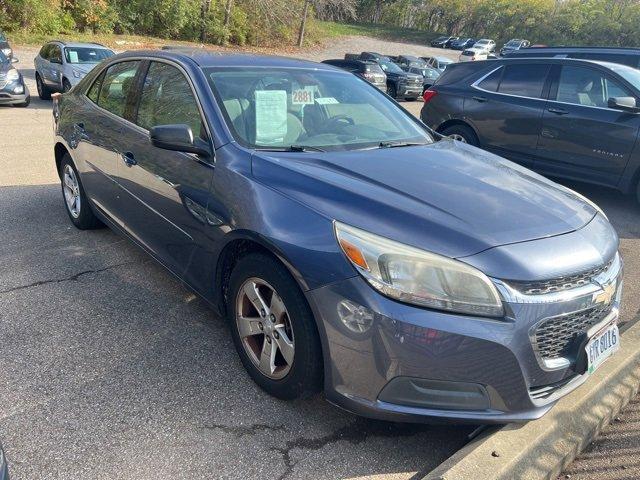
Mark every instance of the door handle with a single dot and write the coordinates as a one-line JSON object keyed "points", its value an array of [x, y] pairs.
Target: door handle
{"points": [[558, 111], [129, 159], [480, 99]]}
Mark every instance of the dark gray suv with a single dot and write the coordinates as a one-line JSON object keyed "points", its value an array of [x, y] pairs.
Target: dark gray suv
{"points": [[575, 119]]}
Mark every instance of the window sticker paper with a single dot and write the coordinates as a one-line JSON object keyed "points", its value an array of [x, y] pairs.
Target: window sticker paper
{"points": [[326, 101], [303, 96], [73, 56], [271, 116]]}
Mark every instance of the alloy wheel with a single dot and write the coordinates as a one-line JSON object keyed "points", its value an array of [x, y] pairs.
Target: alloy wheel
{"points": [[71, 189], [458, 137], [265, 328], [39, 85]]}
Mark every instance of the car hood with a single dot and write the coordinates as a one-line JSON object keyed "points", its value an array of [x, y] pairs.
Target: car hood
{"points": [[83, 68], [447, 197]]}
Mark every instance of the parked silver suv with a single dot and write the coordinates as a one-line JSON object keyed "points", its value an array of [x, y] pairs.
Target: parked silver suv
{"points": [[60, 65]]}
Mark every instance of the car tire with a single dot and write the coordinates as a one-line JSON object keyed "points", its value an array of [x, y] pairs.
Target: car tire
{"points": [[392, 91], [43, 91], [66, 85], [299, 378], [462, 133], [23, 104], [79, 211]]}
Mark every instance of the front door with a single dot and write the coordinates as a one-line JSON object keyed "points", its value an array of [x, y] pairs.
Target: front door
{"points": [[582, 138], [505, 108], [165, 193]]}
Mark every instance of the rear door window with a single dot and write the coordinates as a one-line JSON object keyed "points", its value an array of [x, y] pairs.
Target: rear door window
{"points": [[116, 86], [526, 80]]}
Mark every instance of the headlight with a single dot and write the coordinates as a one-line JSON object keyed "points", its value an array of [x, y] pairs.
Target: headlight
{"points": [[6, 51], [415, 276], [13, 75], [77, 74]]}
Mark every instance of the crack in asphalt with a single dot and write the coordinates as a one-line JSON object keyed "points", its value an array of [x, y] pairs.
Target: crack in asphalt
{"points": [[241, 431], [354, 433], [72, 278]]}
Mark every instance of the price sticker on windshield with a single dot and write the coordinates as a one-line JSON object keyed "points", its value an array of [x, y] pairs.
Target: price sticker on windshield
{"points": [[303, 96]]}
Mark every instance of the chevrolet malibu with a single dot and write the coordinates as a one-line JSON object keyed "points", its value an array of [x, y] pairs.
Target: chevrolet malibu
{"points": [[410, 280]]}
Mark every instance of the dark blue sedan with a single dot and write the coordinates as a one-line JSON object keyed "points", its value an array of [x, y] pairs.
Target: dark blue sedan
{"points": [[407, 279]]}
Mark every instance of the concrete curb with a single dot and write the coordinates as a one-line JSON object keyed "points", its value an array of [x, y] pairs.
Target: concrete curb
{"points": [[543, 448]]}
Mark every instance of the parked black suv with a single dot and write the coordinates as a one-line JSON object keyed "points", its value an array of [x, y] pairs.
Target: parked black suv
{"points": [[568, 118], [400, 84], [624, 56], [443, 42], [368, 70]]}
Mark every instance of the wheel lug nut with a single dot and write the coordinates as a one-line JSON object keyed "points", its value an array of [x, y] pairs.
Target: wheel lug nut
{"points": [[268, 339], [272, 317], [262, 313], [276, 335], [260, 326]]}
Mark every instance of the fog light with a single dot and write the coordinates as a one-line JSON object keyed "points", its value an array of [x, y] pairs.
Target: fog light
{"points": [[19, 89], [356, 318], [436, 394]]}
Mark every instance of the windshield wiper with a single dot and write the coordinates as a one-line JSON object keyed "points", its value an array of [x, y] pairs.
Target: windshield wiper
{"points": [[399, 144], [292, 148]]}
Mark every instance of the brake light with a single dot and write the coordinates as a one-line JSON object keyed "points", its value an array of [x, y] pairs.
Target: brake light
{"points": [[369, 75], [428, 95]]}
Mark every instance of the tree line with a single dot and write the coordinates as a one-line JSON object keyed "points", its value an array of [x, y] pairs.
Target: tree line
{"points": [[268, 22]]}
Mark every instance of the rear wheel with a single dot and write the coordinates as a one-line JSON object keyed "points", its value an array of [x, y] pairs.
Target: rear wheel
{"points": [[461, 133], [75, 198], [273, 328], [43, 91]]}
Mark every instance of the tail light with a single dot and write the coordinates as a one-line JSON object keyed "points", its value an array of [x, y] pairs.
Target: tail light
{"points": [[428, 95], [369, 75]]}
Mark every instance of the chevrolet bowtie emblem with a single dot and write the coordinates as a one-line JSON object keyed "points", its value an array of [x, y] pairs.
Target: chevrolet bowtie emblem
{"points": [[606, 295]]}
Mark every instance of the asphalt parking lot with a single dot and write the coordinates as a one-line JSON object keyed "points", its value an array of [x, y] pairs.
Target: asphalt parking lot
{"points": [[111, 369]]}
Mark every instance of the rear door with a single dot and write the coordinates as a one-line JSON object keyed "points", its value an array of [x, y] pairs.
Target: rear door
{"points": [[98, 131], [505, 108], [581, 136], [165, 192], [53, 70]]}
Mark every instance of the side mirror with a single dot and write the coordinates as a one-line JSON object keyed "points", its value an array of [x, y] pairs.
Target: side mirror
{"points": [[14, 60], [178, 138], [627, 104]]}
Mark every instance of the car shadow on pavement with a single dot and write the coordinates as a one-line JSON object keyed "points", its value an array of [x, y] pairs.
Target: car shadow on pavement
{"points": [[109, 363]]}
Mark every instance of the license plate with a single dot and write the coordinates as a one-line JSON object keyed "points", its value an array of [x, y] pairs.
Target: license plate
{"points": [[602, 345]]}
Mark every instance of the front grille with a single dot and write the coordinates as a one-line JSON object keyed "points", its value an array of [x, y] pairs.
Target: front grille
{"points": [[559, 284], [555, 337]]}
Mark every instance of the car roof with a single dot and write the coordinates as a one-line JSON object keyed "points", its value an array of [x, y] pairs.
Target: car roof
{"points": [[553, 60], [631, 50], [209, 58], [79, 44]]}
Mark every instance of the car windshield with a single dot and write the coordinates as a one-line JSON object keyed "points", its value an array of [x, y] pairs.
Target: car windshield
{"points": [[430, 73], [390, 67], [631, 75], [513, 43], [439, 39], [78, 55], [302, 109]]}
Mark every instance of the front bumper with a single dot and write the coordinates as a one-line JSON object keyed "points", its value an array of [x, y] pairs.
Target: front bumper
{"points": [[8, 95], [393, 361], [411, 90]]}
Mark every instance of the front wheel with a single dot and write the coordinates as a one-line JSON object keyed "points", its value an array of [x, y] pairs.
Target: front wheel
{"points": [[23, 104], [273, 328], [75, 198], [392, 91], [66, 85]]}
